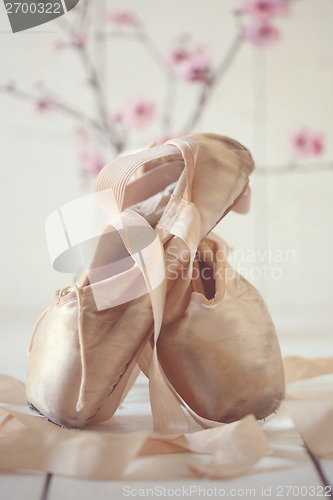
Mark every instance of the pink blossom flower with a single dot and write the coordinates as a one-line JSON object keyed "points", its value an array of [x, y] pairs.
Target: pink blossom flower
{"points": [[116, 116], [80, 39], [43, 104], [139, 112], [91, 162], [261, 33], [263, 9], [300, 141], [177, 56], [121, 18], [305, 143], [317, 145], [192, 67]]}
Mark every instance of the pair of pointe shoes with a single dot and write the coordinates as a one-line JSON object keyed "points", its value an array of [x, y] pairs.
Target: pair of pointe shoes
{"points": [[201, 332]]}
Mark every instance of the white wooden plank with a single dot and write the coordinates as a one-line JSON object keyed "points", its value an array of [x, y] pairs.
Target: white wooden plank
{"points": [[69, 489], [21, 486], [327, 467], [290, 482]]}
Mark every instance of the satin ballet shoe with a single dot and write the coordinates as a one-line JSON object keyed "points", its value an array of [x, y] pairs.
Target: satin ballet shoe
{"points": [[71, 340], [83, 358], [222, 354]]}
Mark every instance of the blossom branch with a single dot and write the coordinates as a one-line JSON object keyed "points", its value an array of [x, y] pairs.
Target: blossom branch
{"points": [[141, 35], [160, 59], [96, 85], [65, 108], [184, 63], [220, 71], [169, 104]]}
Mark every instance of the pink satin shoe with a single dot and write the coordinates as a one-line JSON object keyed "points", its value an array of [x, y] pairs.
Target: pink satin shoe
{"points": [[220, 352], [83, 358]]}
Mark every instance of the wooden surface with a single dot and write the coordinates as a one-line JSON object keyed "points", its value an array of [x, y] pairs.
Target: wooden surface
{"points": [[288, 472]]}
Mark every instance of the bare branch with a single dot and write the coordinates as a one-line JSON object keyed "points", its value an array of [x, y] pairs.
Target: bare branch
{"points": [[295, 168], [207, 90], [57, 104]]}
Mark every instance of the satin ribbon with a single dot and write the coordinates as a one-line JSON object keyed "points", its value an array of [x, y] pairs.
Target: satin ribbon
{"points": [[101, 455]]}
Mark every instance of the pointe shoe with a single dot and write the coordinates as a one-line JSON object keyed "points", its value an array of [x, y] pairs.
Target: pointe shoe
{"points": [[221, 353], [82, 358]]}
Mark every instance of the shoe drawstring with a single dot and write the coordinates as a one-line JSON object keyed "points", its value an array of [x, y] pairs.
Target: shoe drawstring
{"points": [[80, 401]]}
